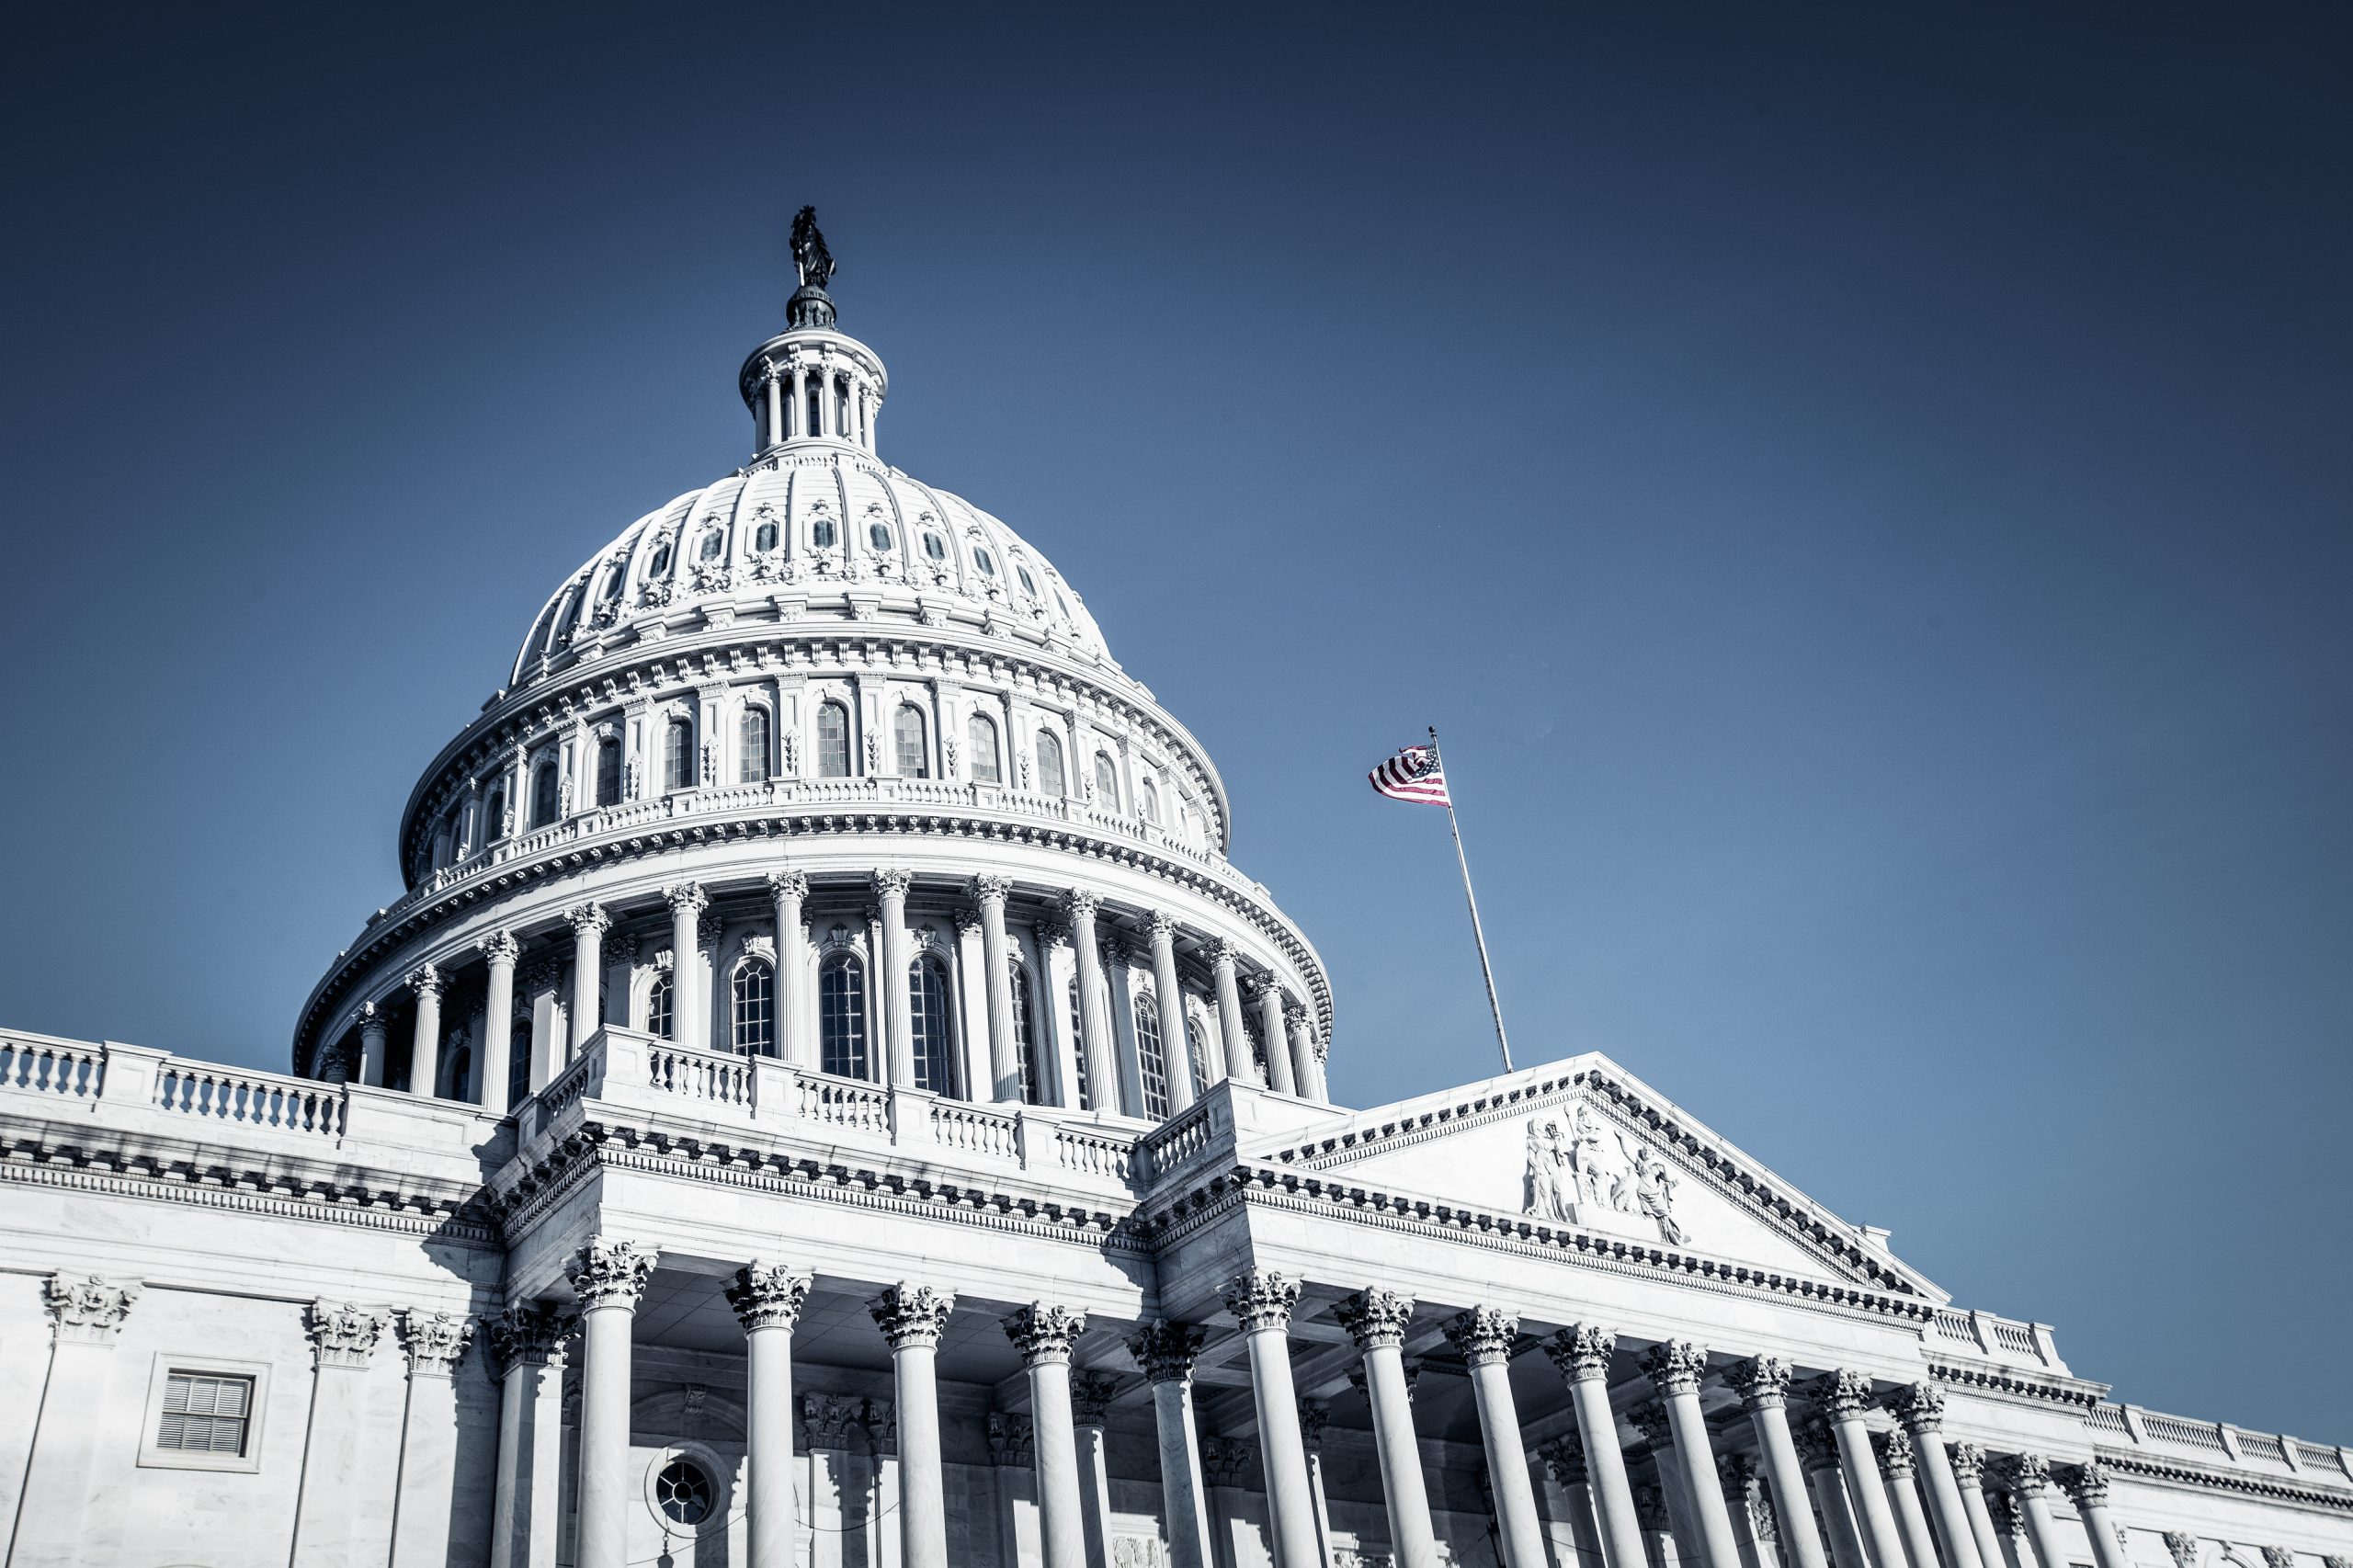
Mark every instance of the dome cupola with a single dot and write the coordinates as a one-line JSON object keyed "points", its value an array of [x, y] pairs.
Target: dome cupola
{"points": [[811, 383]]}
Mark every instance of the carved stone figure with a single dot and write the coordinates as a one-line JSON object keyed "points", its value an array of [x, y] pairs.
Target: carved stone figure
{"points": [[1547, 1169], [1655, 1190]]}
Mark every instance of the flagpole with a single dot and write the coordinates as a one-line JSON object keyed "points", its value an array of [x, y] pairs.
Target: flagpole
{"points": [[1477, 935]]}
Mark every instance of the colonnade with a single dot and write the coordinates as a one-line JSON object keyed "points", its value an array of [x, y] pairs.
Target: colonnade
{"points": [[1894, 1499], [1294, 1052]]}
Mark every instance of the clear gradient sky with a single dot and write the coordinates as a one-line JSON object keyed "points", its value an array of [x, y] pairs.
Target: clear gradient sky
{"points": [[1865, 497]]}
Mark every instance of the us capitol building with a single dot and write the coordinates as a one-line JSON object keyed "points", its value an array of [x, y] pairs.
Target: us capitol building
{"points": [[826, 1098]]}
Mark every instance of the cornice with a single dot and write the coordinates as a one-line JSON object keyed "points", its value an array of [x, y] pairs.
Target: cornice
{"points": [[782, 822], [2038, 1388], [2187, 1472]]}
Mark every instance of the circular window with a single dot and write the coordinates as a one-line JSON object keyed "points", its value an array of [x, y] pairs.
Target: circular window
{"points": [[878, 536], [1029, 583], [935, 546], [820, 533], [985, 560], [683, 1492]]}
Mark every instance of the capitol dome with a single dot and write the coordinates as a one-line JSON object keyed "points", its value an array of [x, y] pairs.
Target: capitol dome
{"points": [[821, 763]]}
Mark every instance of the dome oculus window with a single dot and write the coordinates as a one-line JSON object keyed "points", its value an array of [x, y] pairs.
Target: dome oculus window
{"points": [[683, 1492], [879, 535]]}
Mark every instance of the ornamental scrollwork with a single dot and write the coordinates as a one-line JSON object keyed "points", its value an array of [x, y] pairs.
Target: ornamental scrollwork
{"points": [[435, 1341], [343, 1335], [768, 1295], [912, 1315], [1165, 1350], [1262, 1298], [1044, 1331], [1582, 1351], [90, 1309], [1374, 1319]]}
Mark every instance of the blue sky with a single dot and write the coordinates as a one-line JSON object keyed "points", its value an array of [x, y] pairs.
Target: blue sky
{"points": [[1864, 497]]}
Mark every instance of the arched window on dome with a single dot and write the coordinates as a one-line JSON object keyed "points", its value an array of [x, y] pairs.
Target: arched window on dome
{"points": [[1076, 1014], [1107, 782], [752, 732], [752, 1003], [931, 1022], [518, 1061], [812, 421], [1029, 583], [712, 543], [1050, 781], [608, 771], [614, 576], [1025, 1038], [907, 741], [658, 1020], [832, 741], [979, 740], [1148, 799], [935, 546], [985, 560], [879, 535], [1196, 1051], [453, 835], [820, 533], [764, 537], [494, 817], [841, 407], [660, 565], [1152, 1060], [546, 794], [678, 755], [841, 1016]]}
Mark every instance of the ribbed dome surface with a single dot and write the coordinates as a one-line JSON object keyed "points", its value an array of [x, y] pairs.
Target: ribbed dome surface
{"points": [[818, 528]]}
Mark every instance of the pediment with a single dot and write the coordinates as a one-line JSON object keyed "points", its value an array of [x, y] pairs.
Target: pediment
{"points": [[1582, 1146]]}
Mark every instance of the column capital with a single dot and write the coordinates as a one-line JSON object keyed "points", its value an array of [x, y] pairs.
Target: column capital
{"points": [[1165, 1350], [342, 1334], [1161, 926], [1920, 1407], [1262, 1298], [1968, 1462], [911, 1315], [1650, 1418], [1410, 1366], [528, 1333], [1227, 1461], [1294, 1012], [1894, 1451], [828, 1419], [2008, 1517], [1262, 985], [787, 885], [589, 919], [1314, 1414], [88, 1310], [968, 922], [1565, 1456], [990, 890], [1044, 1331], [1376, 1319], [1676, 1365], [2087, 1484], [1817, 1449], [1013, 1439], [1740, 1476], [1091, 1394], [2278, 1557], [609, 1273], [2029, 1475], [1842, 1395], [1582, 1351], [500, 947], [768, 1295], [1762, 1381], [1080, 904], [1053, 934], [436, 1342], [1222, 953], [1485, 1335], [426, 979], [892, 883], [686, 898], [2184, 1548]]}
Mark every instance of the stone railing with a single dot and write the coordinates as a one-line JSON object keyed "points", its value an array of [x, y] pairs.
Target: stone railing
{"points": [[638, 1072], [1997, 1338], [64, 1070], [2130, 1428]]}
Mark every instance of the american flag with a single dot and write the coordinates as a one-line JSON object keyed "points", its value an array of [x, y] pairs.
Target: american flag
{"points": [[1413, 774]]}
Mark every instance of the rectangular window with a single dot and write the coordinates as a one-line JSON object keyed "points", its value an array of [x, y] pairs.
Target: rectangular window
{"points": [[205, 1412]]}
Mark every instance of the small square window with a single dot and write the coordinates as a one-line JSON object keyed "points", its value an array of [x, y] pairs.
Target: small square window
{"points": [[204, 1414]]}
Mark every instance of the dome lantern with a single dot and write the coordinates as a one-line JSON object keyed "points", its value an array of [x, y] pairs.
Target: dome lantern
{"points": [[811, 383]]}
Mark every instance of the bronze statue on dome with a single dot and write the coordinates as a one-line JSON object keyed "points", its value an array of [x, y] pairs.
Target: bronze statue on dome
{"points": [[809, 252]]}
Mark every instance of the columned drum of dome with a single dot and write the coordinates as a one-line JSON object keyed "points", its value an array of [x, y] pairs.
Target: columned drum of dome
{"points": [[819, 666]]}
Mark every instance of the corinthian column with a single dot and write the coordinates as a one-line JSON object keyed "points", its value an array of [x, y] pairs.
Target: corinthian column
{"points": [[1763, 1384], [912, 1317], [1094, 1010], [790, 889], [1262, 1302], [898, 1024], [501, 950], [2088, 1483], [1486, 1336], [371, 1045], [1563, 1460], [1674, 1369], [996, 961], [59, 1475], [342, 1337], [1895, 1463], [527, 1356], [2029, 1479], [1969, 1477], [424, 982], [435, 1343], [1175, 1044], [1090, 1407], [689, 1015], [1268, 992], [1921, 1408], [1044, 1333], [1377, 1321], [589, 923], [767, 1298], [1235, 1036], [608, 1276], [1305, 1066], [1818, 1453], [1582, 1352], [1167, 1352], [1844, 1396]]}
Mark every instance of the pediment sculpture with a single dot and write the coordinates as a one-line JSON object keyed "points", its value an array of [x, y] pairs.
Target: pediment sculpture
{"points": [[1589, 1174]]}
